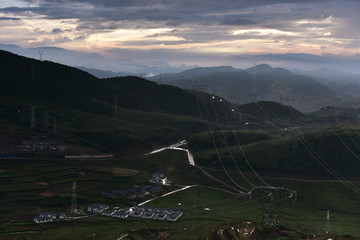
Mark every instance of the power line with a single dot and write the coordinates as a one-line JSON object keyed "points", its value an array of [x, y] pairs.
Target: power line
{"points": [[227, 146], [270, 217], [243, 153], [323, 163], [216, 149]]}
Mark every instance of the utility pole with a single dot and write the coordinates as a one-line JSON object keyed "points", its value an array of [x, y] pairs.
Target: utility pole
{"points": [[46, 115], [55, 126], [253, 95], [294, 144], [73, 199], [328, 221], [33, 121]]}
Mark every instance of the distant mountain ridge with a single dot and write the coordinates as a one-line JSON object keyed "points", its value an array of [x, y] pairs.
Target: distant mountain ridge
{"points": [[104, 74], [168, 78], [261, 82]]}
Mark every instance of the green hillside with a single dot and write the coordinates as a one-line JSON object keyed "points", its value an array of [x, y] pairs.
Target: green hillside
{"points": [[284, 152], [147, 115]]}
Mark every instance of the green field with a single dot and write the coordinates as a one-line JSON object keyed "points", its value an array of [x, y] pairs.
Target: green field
{"points": [[43, 185]]}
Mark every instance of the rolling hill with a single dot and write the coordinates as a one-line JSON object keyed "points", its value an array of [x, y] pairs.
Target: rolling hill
{"points": [[148, 114]]}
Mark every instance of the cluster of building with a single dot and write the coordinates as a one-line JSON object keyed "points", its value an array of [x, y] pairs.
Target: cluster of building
{"points": [[45, 217], [137, 212], [133, 190], [159, 178], [37, 144]]}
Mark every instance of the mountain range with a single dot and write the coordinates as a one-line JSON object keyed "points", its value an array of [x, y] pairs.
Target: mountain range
{"points": [[122, 113], [263, 82]]}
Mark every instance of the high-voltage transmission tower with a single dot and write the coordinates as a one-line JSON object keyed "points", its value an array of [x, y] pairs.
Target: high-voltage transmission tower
{"points": [[198, 87], [46, 116], [328, 221], [33, 121], [253, 95], [73, 199], [55, 126], [41, 52], [271, 199]]}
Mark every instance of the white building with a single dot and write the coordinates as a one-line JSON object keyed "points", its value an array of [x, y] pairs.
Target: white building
{"points": [[97, 207]]}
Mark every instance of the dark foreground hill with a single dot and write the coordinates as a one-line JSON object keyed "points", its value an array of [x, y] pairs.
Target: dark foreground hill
{"points": [[147, 114], [25, 77]]}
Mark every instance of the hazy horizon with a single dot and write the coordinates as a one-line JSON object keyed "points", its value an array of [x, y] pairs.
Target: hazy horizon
{"points": [[168, 36]]}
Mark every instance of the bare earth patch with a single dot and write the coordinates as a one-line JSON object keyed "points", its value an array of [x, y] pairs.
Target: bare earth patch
{"points": [[123, 172], [45, 184], [3, 171], [47, 194]]}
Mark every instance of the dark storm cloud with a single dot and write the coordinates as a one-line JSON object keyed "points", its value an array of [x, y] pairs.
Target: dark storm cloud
{"points": [[201, 12], [200, 15], [278, 26], [9, 19], [57, 30], [236, 20]]}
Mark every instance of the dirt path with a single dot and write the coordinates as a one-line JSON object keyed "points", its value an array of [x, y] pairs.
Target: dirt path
{"points": [[289, 178]]}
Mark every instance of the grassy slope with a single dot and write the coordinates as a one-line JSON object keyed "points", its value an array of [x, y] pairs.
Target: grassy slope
{"points": [[118, 132], [22, 199], [148, 114], [275, 154]]}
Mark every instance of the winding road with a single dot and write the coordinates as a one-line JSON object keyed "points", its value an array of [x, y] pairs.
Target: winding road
{"points": [[176, 146], [191, 160]]}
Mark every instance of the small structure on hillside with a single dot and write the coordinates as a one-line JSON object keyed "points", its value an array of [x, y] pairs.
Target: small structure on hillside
{"points": [[133, 190], [97, 207], [45, 217], [37, 144], [159, 178], [108, 212], [174, 216], [108, 195]]}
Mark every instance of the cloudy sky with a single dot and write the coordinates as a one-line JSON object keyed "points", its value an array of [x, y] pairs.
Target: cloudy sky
{"points": [[188, 32]]}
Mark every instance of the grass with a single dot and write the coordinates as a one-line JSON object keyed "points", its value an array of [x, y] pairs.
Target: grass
{"points": [[21, 200]]}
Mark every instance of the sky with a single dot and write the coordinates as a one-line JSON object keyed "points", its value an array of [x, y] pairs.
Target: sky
{"points": [[178, 34]]}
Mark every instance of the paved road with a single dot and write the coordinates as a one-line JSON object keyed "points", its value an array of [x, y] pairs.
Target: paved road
{"points": [[191, 160], [176, 146], [166, 194]]}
